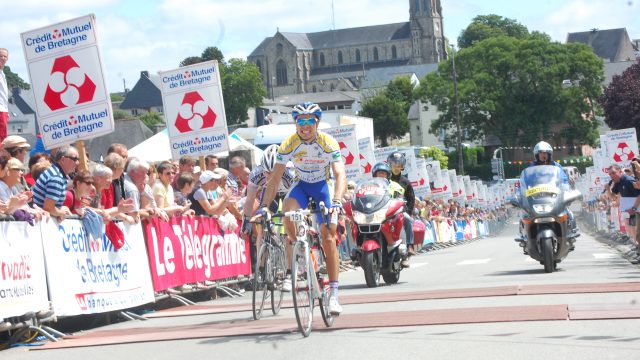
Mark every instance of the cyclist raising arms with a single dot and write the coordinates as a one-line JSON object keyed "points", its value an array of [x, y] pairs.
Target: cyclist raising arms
{"points": [[314, 155]]}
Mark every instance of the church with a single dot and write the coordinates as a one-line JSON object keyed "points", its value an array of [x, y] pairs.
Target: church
{"points": [[337, 60]]}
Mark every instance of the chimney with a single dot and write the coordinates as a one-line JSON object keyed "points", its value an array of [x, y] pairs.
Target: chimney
{"points": [[144, 74]]}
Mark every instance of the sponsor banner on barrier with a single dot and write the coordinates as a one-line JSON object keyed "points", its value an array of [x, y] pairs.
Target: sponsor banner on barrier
{"points": [[87, 275], [346, 138], [194, 110], [67, 75], [192, 249], [23, 284], [367, 158]]}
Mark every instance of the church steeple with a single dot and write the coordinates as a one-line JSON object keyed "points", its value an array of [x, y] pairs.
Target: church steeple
{"points": [[427, 38]]}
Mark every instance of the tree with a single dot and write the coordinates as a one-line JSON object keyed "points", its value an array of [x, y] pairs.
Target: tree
{"points": [[389, 117], [436, 154], [120, 114], [400, 90], [490, 26], [513, 88], [242, 88], [190, 61], [14, 80], [151, 119], [621, 100], [212, 53]]}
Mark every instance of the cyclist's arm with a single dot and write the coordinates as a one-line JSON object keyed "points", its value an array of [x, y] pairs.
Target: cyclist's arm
{"points": [[249, 203], [341, 179], [272, 185]]}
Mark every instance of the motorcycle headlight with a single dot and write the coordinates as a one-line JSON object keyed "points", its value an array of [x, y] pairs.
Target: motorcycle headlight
{"points": [[375, 218], [543, 208]]}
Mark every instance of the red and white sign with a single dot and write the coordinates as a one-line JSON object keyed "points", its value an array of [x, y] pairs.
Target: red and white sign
{"points": [[367, 158], [193, 249], [438, 187], [382, 153], [622, 146], [346, 137], [194, 110], [455, 186], [67, 76], [447, 191], [422, 187]]}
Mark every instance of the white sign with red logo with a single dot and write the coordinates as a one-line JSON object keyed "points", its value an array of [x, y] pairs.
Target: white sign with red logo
{"points": [[422, 188], [447, 193], [367, 157], [346, 138], [601, 164], [194, 110], [67, 76], [622, 146], [381, 154], [469, 189], [438, 187], [455, 186], [463, 195]]}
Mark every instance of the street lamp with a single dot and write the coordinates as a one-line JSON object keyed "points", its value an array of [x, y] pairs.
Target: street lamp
{"points": [[457, 113]]}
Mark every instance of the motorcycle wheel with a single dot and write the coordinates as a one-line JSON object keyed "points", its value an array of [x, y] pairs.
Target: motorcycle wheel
{"points": [[391, 277], [547, 255], [370, 262]]}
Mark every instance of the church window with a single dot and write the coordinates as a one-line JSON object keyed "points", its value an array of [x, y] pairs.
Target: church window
{"points": [[340, 60], [375, 54], [321, 59], [394, 52], [357, 55], [281, 73], [279, 49], [315, 89]]}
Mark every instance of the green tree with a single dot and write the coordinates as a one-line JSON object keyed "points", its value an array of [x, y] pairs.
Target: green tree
{"points": [[490, 26], [120, 114], [400, 90], [212, 53], [116, 97], [389, 117], [242, 88], [190, 61], [436, 154], [151, 119], [14, 80], [513, 88], [621, 100]]}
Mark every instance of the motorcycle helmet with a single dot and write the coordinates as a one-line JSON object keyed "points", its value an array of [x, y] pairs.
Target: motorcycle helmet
{"points": [[306, 108], [268, 160], [381, 167], [396, 158], [543, 147]]}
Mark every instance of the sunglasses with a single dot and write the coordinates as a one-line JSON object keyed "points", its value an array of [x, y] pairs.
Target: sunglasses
{"points": [[306, 121], [170, 173], [73, 158], [88, 182], [17, 169]]}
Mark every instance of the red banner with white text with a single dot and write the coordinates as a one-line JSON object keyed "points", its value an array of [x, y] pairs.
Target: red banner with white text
{"points": [[192, 249]]}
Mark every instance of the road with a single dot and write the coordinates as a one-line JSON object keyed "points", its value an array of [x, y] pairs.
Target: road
{"points": [[479, 300]]}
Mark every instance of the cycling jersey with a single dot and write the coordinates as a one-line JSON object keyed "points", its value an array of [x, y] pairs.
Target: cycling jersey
{"points": [[258, 180], [311, 160]]}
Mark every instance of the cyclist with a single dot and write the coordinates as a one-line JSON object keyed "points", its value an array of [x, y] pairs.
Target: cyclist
{"points": [[258, 179], [397, 161], [315, 155]]}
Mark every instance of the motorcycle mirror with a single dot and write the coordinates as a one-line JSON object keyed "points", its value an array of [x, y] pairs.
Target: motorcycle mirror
{"points": [[571, 196]]}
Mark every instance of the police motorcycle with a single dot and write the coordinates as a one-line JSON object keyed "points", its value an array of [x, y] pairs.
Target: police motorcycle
{"points": [[547, 234], [377, 220]]}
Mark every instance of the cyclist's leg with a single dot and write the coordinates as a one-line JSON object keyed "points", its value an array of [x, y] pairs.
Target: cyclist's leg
{"points": [[295, 199]]}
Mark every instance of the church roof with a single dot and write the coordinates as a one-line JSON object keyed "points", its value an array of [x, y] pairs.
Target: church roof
{"points": [[611, 45]]}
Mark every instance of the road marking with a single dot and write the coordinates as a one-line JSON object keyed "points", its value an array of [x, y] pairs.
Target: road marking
{"points": [[530, 259], [605, 256], [417, 265], [474, 262]]}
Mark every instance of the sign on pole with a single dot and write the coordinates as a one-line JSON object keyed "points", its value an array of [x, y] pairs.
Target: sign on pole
{"points": [[67, 75], [194, 110], [367, 158], [622, 146], [381, 154], [346, 138], [422, 187]]}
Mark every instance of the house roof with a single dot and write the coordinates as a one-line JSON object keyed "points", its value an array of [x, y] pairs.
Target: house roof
{"points": [[145, 94], [318, 97], [612, 44], [129, 132], [379, 77], [23, 99]]}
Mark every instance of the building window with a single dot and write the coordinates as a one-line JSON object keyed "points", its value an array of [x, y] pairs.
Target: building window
{"points": [[339, 57], [375, 54], [333, 87], [321, 59], [279, 49], [314, 89], [281, 73], [357, 55], [259, 65], [394, 52], [134, 112]]}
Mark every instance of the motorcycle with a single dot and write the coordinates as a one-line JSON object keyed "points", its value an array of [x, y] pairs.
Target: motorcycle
{"points": [[546, 232], [377, 220]]}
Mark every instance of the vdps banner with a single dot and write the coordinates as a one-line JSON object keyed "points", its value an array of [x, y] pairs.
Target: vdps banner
{"points": [[192, 249], [194, 110], [67, 75]]}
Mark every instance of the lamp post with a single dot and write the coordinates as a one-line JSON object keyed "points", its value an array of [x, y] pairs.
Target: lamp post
{"points": [[457, 113]]}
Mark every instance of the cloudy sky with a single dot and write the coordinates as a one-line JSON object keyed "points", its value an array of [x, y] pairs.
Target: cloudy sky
{"points": [[155, 35]]}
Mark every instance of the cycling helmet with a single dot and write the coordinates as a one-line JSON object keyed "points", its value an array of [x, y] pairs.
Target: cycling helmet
{"points": [[268, 160], [542, 147], [396, 158], [306, 108], [381, 167]]}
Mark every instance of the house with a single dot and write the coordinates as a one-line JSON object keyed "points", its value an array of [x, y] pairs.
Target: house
{"points": [[145, 97], [612, 45]]}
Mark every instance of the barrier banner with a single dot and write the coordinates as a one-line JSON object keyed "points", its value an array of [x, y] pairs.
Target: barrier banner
{"points": [[192, 249], [88, 276], [23, 284]]}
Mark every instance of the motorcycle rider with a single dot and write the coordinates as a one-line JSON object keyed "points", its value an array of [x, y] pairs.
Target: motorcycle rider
{"points": [[397, 161], [382, 170]]}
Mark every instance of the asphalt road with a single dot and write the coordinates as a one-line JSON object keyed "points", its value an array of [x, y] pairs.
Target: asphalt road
{"points": [[483, 264]]}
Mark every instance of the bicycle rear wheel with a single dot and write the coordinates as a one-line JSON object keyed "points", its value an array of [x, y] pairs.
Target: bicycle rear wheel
{"points": [[301, 288], [260, 276], [279, 259]]}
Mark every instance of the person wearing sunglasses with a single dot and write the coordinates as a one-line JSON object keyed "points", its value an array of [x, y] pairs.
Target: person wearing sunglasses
{"points": [[51, 187], [18, 147], [82, 191], [315, 156], [163, 191]]}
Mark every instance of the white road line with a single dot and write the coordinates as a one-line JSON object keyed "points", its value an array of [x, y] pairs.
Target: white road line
{"points": [[605, 256], [417, 265], [474, 262], [530, 259]]}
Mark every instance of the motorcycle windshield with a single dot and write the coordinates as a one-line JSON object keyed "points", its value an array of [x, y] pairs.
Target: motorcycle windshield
{"points": [[540, 180], [371, 195]]}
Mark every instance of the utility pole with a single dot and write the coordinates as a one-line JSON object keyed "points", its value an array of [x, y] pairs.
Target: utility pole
{"points": [[457, 113]]}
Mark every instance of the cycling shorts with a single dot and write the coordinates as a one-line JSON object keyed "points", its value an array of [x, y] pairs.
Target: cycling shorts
{"points": [[319, 192]]}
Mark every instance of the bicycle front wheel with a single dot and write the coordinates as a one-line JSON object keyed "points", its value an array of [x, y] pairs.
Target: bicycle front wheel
{"points": [[301, 288], [260, 277], [279, 273]]}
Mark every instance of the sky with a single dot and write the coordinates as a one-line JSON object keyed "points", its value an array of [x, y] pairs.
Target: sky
{"points": [[155, 35]]}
